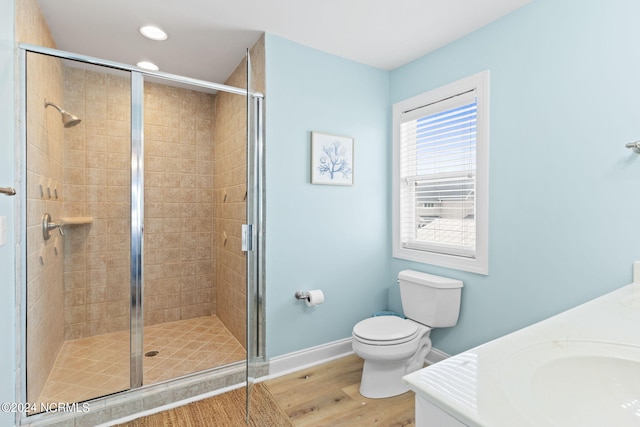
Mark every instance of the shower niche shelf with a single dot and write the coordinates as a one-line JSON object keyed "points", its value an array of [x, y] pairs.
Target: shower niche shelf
{"points": [[76, 220]]}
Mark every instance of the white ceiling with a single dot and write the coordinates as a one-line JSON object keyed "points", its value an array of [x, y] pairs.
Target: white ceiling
{"points": [[208, 38]]}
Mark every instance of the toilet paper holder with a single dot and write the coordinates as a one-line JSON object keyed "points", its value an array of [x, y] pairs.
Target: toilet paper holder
{"points": [[311, 298], [302, 295]]}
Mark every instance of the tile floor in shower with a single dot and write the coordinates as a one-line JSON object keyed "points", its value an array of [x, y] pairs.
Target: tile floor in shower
{"points": [[91, 367]]}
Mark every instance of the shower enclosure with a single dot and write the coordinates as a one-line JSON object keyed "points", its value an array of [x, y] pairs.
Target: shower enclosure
{"points": [[143, 227]]}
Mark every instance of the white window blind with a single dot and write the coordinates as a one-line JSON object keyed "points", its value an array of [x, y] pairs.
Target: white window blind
{"points": [[438, 176]]}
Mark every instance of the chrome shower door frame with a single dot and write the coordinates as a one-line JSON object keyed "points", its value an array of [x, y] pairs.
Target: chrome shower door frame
{"points": [[137, 231], [255, 211], [255, 248]]}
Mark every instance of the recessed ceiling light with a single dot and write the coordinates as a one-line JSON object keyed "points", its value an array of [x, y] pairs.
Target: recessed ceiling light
{"points": [[152, 32], [146, 65]]}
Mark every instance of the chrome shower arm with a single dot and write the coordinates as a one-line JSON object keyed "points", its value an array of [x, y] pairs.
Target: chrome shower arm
{"points": [[68, 119], [48, 103]]}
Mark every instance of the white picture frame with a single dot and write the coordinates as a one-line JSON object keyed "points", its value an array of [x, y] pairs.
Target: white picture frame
{"points": [[331, 159]]}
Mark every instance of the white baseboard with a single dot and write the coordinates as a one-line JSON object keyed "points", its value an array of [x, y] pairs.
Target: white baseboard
{"points": [[312, 356], [302, 359]]}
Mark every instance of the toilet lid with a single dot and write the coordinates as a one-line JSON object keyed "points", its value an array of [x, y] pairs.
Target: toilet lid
{"points": [[386, 329]]}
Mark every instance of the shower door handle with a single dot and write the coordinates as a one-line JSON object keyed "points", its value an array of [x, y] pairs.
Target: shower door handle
{"points": [[247, 237]]}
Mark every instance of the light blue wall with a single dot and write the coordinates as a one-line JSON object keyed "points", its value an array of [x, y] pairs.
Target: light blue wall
{"points": [[564, 192], [565, 98], [7, 209], [318, 236]]}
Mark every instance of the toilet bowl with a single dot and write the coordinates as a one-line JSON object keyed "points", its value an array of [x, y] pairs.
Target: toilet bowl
{"points": [[392, 346]]}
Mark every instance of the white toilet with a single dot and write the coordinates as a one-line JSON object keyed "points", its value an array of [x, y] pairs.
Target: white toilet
{"points": [[392, 346]]}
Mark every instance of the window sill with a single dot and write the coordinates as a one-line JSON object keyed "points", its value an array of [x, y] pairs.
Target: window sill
{"points": [[472, 265]]}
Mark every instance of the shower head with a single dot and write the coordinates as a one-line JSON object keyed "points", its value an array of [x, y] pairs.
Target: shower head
{"points": [[68, 119]]}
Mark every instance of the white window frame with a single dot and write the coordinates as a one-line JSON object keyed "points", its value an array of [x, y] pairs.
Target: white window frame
{"points": [[480, 262]]}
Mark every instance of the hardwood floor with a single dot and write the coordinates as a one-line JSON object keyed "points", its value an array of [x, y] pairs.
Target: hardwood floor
{"points": [[327, 395]]}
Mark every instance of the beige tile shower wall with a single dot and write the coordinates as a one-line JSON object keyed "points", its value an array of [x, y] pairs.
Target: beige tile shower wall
{"points": [[31, 26], [230, 185], [45, 312], [45, 262], [178, 204], [230, 211], [178, 264], [97, 184]]}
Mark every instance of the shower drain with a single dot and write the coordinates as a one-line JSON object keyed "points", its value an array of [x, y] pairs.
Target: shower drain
{"points": [[151, 353]]}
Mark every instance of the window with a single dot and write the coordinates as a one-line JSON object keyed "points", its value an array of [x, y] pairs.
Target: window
{"points": [[440, 176]]}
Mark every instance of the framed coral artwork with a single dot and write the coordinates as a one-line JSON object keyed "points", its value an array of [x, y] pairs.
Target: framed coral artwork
{"points": [[331, 159]]}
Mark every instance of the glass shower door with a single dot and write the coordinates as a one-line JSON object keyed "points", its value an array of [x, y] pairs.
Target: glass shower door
{"points": [[111, 214], [78, 225], [194, 197]]}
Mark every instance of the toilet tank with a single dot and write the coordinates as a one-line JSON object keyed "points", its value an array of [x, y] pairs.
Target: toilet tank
{"points": [[431, 300]]}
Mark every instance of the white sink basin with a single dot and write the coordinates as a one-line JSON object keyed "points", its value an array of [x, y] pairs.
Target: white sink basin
{"points": [[575, 383]]}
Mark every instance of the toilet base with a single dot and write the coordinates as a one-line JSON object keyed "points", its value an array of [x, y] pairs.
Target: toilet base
{"points": [[382, 379]]}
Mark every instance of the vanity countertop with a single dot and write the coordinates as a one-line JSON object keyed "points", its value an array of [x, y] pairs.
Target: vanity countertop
{"points": [[578, 368]]}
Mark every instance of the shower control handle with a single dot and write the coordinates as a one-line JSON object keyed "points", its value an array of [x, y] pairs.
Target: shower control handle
{"points": [[48, 226]]}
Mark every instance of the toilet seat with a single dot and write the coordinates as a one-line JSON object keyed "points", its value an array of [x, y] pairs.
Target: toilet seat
{"points": [[385, 330]]}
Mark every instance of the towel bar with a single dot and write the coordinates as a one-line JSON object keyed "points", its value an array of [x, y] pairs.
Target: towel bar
{"points": [[8, 191], [635, 146]]}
